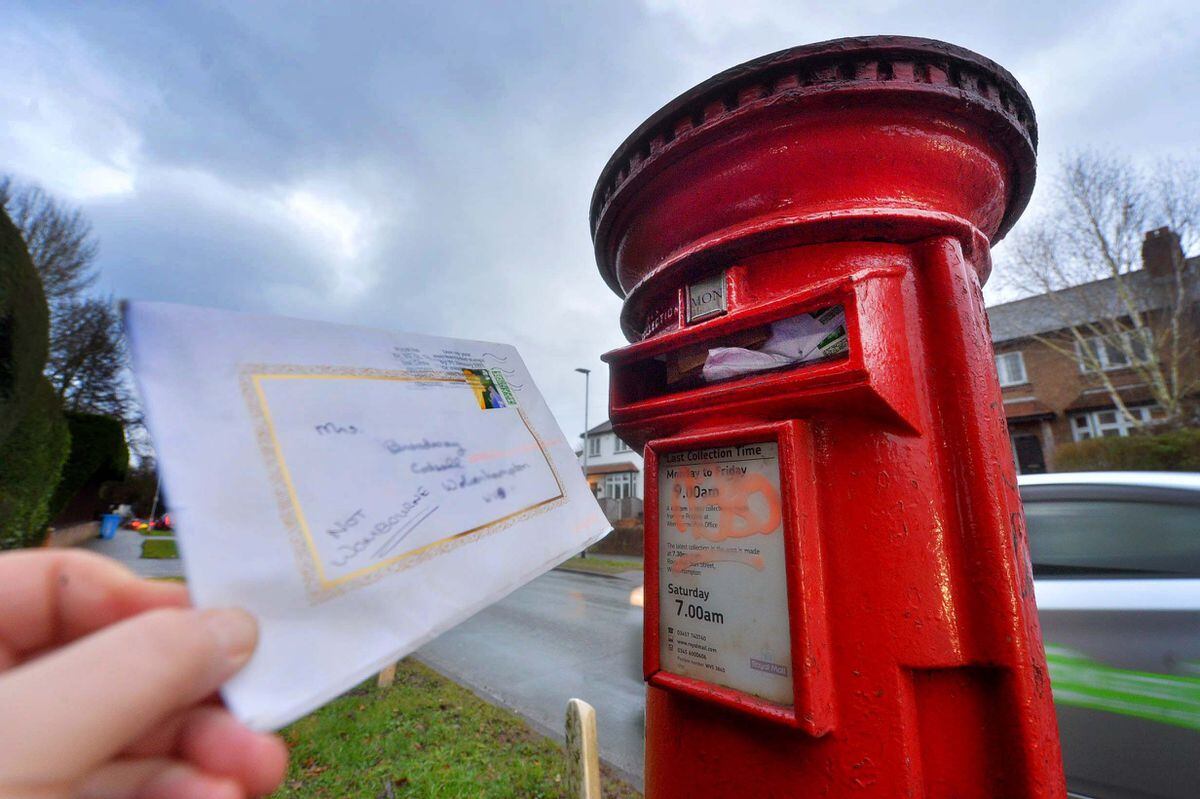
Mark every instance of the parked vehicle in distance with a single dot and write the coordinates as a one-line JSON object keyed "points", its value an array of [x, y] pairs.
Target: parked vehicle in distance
{"points": [[161, 523], [1116, 566]]}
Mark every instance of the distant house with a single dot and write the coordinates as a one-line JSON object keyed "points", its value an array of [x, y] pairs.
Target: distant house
{"points": [[1050, 398], [614, 469]]}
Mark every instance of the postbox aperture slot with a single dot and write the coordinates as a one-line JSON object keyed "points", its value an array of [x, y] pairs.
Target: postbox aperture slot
{"points": [[794, 341], [805, 338]]}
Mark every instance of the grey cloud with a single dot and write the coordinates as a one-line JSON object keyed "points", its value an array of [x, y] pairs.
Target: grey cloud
{"points": [[464, 137]]}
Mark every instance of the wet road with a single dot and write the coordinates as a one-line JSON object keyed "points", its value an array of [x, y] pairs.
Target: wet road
{"points": [[564, 635]]}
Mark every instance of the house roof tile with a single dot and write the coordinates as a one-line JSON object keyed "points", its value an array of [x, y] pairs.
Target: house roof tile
{"points": [[1032, 316], [1101, 400], [603, 427]]}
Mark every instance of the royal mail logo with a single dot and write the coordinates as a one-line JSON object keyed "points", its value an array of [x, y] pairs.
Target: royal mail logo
{"points": [[768, 667]]}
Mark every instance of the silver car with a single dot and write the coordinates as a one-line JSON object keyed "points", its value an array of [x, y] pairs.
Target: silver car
{"points": [[1116, 565]]}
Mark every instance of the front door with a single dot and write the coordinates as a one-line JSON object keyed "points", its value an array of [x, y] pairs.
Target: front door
{"points": [[1028, 450]]}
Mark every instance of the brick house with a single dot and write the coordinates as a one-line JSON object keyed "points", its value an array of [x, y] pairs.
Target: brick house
{"points": [[1051, 398]]}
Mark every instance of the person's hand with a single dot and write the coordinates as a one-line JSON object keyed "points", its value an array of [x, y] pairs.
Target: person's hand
{"points": [[106, 686]]}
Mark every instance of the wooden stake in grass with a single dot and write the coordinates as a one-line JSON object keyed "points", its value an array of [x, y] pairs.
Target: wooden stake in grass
{"points": [[387, 676], [583, 755]]}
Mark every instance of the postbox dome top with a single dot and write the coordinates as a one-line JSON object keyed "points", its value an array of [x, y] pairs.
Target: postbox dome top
{"points": [[974, 86]]}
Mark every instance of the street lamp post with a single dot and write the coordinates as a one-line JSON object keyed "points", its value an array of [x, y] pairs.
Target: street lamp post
{"points": [[586, 384]]}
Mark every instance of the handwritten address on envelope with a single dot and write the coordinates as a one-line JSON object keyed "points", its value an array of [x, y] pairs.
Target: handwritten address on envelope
{"points": [[470, 468], [359, 491]]}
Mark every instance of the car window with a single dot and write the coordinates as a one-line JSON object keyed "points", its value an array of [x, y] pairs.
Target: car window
{"points": [[1098, 538]]}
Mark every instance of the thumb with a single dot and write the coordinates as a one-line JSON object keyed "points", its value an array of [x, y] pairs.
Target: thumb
{"points": [[68, 711]]}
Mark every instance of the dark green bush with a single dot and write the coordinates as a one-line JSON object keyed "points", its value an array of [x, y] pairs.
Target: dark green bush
{"points": [[31, 458], [24, 326], [1177, 451], [98, 454], [33, 435]]}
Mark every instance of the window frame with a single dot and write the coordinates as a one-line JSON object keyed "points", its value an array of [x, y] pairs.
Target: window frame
{"points": [[620, 446], [593, 451], [1020, 360], [624, 480], [1095, 428], [1102, 355]]}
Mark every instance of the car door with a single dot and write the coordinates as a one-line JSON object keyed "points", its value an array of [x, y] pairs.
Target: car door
{"points": [[1117, 576]]}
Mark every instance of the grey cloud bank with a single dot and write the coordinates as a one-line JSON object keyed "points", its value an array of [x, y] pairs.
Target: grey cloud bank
{"points": [[429, 168]]}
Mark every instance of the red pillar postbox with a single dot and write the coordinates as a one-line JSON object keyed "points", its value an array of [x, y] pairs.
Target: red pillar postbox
{"points": [[839, 600]]}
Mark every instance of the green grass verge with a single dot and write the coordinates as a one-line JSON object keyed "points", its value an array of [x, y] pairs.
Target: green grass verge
{"points": [[157, 549], [424, 737], [601, 565], [149, 532]]}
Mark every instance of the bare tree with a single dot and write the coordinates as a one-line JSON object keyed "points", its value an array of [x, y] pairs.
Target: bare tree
{"points": [[1101, 208], [59, 240], [87, 363], [87, 367]]}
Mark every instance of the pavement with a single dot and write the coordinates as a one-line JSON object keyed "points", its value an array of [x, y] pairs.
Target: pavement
{"points": [[564, 635], [126, 546]]}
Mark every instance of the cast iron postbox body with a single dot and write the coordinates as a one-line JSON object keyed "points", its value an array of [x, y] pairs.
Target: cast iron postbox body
{"points": [[839, 600]]}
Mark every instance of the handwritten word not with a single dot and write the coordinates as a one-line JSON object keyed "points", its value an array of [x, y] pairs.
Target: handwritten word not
{"points": [[338, 528], [393, 524]]}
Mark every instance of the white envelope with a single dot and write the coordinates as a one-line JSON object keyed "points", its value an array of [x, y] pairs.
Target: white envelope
{"points": [[359, 491]]}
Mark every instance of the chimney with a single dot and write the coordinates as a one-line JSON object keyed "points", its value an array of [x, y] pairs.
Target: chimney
{"points": [[1162, 253]]}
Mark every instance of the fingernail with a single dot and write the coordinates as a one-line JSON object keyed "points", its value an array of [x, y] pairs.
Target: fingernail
{"points": [[236, 631]]}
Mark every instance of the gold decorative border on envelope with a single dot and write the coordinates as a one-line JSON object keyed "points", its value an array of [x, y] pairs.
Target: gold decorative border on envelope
{"points": [[321, 588]]}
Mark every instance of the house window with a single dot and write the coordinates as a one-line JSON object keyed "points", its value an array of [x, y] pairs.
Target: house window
{"points": [[1106, 424], [1011, 368], [618, 486], [1112, 352], [593, 446], [621, 446]]}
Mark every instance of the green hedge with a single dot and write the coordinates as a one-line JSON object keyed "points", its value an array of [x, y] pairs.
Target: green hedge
{"points": [[98, 454], [33, 435], [31, 458], [24, 327], [1177, 451]]}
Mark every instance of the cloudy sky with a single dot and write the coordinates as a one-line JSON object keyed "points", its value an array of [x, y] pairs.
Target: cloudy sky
{"points": [[428, 166]]}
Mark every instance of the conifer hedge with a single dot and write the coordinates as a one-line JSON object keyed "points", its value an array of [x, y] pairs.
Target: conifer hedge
{"points": [[33, 436], [98, 453], [31, 458]]}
